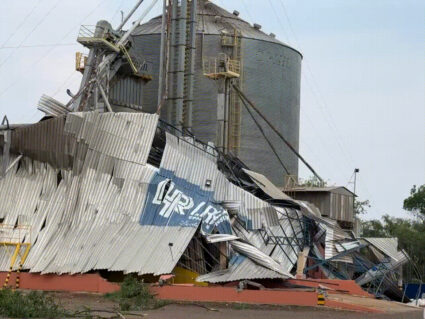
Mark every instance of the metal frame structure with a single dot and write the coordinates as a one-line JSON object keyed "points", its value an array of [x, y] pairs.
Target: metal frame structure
{"points": [[18, 237]]}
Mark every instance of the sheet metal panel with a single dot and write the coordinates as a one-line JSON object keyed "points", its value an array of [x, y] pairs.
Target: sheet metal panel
{"points": [[91, 219], [245, 268], [86, 216], [45, 141], [268, 187], [389, 246]]}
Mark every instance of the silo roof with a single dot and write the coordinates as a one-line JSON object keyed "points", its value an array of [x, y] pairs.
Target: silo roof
{"points": [[213, 19]]}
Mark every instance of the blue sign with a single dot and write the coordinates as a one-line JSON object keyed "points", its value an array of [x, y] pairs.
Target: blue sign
{"points": [[172, 201]]}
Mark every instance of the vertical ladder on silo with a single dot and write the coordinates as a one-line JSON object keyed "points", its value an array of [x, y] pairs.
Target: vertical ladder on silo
{"points": [[235, 104]]}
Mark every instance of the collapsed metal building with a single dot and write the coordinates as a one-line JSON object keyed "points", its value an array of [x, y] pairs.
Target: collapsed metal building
{"points": [[119, 181]]}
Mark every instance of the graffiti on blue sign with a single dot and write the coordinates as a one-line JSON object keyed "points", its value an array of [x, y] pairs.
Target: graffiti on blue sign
{"points": [[172, 201]]}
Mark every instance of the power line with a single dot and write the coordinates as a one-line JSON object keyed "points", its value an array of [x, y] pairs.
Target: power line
{"points": [[45, 55], [38, 45], [247, 11], [117, 10], [21, 24], [328, 117], [242, 95], [264, 136], [329, 121], [279, 20], [69, 77], [32, 31]]}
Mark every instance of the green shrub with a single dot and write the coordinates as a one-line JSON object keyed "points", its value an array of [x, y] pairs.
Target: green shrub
{"points": [[134, 295], [35, 304]]}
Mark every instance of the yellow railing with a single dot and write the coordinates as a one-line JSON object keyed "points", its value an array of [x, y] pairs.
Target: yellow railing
{"points": [[18, 237], [221, 66]]}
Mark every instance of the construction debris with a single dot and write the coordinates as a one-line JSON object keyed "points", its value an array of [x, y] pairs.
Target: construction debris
{"points": [[102, 190]]}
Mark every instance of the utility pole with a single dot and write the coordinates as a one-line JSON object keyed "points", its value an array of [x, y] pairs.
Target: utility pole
{"points": [[356, 170]]}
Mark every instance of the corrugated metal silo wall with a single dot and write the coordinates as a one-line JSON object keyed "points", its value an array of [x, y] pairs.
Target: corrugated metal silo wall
{"points": [[271, 79], [147, 47]]}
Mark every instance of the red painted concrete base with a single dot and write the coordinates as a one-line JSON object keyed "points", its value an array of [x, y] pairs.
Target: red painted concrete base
{"points": [[332, 285], [225, 294], [289, 297], [73, 283], [95, 283]]}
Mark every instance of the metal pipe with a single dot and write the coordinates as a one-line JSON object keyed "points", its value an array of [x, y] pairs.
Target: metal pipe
{"points": [[161, 52], [89, 66], [243, 96], [136, 24], [13, 164], [181, 45], [124, 38], [105, 98], [172, 63], [124, 21], [191, 68]]}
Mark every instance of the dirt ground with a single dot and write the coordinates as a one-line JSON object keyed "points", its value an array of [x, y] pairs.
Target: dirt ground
{"points": [[77, 302]]}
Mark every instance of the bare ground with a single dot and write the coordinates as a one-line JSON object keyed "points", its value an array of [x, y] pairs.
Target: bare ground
{"points": [[81, 301]]}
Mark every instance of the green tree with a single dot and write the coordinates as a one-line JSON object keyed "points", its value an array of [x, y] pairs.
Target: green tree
{"points": [[410, 232], [360, 207], [373, 228], [415, 203]]}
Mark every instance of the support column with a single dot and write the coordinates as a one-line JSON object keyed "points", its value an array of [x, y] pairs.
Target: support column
{"points": [[222, 114], [6, 149]]}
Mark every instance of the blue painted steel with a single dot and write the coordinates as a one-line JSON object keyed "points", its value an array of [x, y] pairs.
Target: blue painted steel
{"points": [[173, 201], [413, 289]]}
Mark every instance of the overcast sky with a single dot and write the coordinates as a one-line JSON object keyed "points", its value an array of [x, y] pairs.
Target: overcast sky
{"points": [[363, 83]]}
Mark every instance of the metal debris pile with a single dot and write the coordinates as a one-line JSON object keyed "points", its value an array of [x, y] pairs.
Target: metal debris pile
{"points": [[125, 192]]}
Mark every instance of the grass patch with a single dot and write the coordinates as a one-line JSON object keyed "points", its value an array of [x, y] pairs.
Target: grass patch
{"points": [[35, 304], [135, 295]]}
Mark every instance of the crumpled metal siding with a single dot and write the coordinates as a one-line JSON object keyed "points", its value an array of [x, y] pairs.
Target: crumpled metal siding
{"points": [[333, 239], [87, 216], [388, 246], [127, 92], [248, 269], [91, 218], [180, 157], [45, 141]]}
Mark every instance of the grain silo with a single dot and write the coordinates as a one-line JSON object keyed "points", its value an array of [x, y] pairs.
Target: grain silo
{"points": [[268, 73]]}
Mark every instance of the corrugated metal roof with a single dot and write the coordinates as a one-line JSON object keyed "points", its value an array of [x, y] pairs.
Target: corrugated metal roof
{"points": [[90, 220], [245, 268], [208, 23], [389, 246], [85, 210], [180, 156], [50, 106], [266, 185], [337, 241], [318, 189], [382, 269]]}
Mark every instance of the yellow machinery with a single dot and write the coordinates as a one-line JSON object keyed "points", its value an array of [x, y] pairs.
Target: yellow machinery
{"points": [[80, 61], [16, 242], [221, 67]]}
